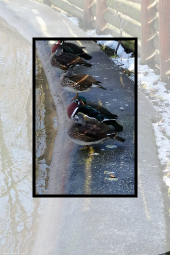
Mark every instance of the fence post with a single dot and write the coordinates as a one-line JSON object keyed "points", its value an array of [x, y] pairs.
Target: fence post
{"points": [[101, 8], [87, 17], [164, 39], [148, 14]]}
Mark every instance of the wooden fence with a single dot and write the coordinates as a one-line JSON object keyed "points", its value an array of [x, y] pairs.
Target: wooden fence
{"points": [[155, 43], [148, 20]]}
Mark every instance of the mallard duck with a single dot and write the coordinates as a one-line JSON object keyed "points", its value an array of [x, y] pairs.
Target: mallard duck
{"points": [[78, 82], [91, 132], [71, 48]]}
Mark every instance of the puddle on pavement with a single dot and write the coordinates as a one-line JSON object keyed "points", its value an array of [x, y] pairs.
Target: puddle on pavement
{"points": [[19, 213], [46, 129]]}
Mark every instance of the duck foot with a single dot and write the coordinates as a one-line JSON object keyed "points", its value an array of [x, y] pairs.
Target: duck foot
{"points": [[74, 98], [84, 148]]}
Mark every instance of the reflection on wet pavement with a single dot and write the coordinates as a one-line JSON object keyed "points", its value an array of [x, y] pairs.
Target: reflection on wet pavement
{"points": [[19, 212], [46, 129]]}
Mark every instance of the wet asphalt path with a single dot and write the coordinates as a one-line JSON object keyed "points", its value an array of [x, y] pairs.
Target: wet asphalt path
{"points": [[90, 169], [75, 171]]}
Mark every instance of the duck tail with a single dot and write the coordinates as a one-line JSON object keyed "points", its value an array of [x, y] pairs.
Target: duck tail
{"points": [[100, 86], [87, 64], [114, 123], [118, 138], [85, 56]]}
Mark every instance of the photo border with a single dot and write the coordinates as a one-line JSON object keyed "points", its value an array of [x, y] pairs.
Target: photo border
{"points": [[34, 114]]}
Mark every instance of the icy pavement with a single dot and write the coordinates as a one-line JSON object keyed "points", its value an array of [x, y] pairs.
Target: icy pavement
{"points": [[159, 96], [155, 91]]}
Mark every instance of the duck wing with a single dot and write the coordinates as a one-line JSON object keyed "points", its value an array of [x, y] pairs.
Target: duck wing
{"points": [[92, 131], [90, 112], [103, 111], [109, 132], [67, 59], [67, 49], [76, 50], [84, 79], [73, 59], [81, 79]]}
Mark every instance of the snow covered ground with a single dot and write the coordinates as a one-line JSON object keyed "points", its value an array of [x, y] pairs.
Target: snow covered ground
{"points": [[124, 60], [159, 96], [155, 91]]}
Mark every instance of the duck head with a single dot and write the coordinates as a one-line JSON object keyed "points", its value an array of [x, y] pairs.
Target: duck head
{"points": [[57, 49], [70, 72], [79, 119], [80, 100], [54, 47], [71, 110]]}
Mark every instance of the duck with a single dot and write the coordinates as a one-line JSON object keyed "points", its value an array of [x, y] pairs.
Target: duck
{"points": [[91, 112], [91, 132], [71, 48], [64, 60], [82, 101], [78, 82]]}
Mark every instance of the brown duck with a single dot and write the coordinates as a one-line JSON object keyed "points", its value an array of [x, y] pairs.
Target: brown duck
{"points": [[91, 132], [78, 82], [64, 60]]}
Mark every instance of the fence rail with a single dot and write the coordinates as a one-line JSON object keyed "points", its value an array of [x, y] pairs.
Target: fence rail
{"points": [[149, 20]]}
